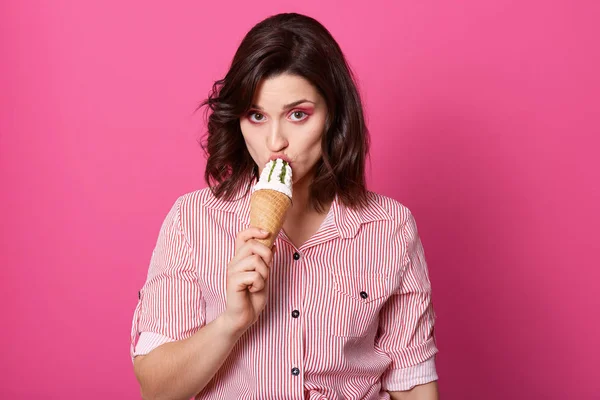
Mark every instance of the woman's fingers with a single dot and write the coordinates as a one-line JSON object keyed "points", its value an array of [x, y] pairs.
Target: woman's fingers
{"points": [[251, 263], [251, 257], [251, 280], [247, 234], [253, 247]]}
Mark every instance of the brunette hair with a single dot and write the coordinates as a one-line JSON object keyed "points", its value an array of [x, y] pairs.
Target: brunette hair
{"points": [[298, 45]]}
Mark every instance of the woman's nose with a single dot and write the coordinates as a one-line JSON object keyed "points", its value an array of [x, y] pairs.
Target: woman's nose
{"points": [[276, 140]]}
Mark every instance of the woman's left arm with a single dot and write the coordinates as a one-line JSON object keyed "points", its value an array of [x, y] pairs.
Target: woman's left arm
{"points": [[428, 391], [406, 323]]}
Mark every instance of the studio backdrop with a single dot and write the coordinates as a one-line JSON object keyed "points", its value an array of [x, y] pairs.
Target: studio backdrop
{"points": [[484, 122]]}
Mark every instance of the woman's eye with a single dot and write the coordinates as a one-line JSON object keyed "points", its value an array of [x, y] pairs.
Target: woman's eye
{"points": [[256, 117], [300, 115]]}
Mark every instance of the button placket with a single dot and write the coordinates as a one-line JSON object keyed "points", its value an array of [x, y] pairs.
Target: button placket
{"points": [[296, 296]]}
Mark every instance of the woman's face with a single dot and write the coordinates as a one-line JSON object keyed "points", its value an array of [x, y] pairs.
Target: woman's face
{"points": [[286, 120]]}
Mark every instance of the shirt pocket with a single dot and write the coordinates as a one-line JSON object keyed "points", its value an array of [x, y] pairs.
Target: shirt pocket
{"points": [[355, 304]]}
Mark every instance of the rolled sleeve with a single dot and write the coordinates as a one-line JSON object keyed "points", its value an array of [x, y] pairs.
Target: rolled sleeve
{"points": [[407, 378], [406, 331], [170, 305]]}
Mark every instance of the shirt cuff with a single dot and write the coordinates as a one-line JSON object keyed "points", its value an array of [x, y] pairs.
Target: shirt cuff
{"points": [[147, 342], [407, 378]]}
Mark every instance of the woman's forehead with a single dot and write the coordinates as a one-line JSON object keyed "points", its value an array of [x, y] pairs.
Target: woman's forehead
{"points": [[281, 90]]}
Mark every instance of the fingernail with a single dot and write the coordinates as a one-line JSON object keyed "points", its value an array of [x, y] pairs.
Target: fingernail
{"points": [[263, 231]]}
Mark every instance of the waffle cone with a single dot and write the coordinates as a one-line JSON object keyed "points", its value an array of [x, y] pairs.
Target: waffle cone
{"points": [[267, 211]]}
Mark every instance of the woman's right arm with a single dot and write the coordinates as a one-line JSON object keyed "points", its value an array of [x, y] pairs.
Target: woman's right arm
{"points": [[181, 369]]}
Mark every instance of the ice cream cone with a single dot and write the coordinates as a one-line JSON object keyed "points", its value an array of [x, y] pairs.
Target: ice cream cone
{"points": [[271, 198], [267, 211]]}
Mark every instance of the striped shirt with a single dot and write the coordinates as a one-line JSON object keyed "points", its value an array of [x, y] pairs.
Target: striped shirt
{"points": [[348, 316]]}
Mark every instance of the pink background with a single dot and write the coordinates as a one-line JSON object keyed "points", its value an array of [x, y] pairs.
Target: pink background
{"points": [[484, 119]]}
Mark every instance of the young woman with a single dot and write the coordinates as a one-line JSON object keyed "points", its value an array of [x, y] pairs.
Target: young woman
{"points": [[340, 307]]}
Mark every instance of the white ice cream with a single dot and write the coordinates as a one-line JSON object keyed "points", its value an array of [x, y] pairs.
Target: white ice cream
{"points": [[277, 175]]}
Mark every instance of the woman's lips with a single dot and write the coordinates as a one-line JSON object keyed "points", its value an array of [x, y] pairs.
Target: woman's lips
{"points": [[282, 157]]}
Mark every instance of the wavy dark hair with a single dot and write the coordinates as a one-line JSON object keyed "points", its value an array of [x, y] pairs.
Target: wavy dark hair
{"points": [[298, 45]]}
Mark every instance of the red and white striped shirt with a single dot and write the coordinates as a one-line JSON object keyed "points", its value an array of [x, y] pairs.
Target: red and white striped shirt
{"points": [[349, 313]]}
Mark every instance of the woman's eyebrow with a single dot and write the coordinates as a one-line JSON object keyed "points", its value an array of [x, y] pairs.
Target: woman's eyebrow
{"points": [[287, 106]]}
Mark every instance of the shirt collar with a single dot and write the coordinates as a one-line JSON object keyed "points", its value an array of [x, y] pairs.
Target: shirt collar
{"points": [[348, 220], [345, 220]]}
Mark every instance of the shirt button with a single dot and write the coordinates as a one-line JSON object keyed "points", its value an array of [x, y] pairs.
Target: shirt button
{"points": [[295, 313], [296, 256], [295, 371], [364, 295]]}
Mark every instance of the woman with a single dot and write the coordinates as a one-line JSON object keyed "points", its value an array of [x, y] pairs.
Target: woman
{"points": [[340, 306]]}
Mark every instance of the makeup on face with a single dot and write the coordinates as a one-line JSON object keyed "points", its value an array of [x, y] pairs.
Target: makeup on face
{"points": [[307, 109]]}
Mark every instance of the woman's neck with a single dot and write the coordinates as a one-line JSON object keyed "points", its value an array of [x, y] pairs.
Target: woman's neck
{"points": [[301, 203], [302, 219]]}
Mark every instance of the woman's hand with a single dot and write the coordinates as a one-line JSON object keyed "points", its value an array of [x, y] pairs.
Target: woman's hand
{"points": [[247, 278]]}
